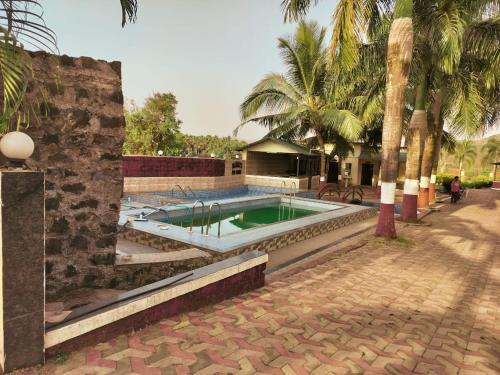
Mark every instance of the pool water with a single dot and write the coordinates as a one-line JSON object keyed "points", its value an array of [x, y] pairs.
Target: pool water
{"points": [[239, 219]]}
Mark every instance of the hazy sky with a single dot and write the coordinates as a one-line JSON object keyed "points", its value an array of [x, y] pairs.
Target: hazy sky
{"points": [[209, 53]]}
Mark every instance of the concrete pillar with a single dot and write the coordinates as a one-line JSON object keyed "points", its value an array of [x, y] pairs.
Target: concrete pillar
{"points": [[22, 281]]}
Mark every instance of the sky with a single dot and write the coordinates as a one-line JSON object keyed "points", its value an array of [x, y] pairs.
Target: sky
{"points": [[208, 53]]}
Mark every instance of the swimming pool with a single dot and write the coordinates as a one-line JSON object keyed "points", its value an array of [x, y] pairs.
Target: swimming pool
{"points": [[240, 218], [265, 222], [155, 198]]}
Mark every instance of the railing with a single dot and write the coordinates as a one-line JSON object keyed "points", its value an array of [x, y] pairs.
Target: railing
{"points": [[155, 210], [342, 194], [181, 190], [191, 191], [293, 191], [202, 215], [210, 216], [282, 187]]}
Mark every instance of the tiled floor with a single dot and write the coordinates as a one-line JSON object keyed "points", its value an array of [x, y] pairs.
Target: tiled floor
{"points": [[427, 305]]}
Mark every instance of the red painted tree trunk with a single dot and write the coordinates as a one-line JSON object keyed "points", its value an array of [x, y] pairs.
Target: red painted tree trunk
{"points": [[399, 55]]}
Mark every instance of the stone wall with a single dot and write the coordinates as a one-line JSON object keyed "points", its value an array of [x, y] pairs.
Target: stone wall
{"points": [[79, 146]]}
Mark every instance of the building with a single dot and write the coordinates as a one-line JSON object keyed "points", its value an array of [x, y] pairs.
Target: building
{"points": [[271, 161]]}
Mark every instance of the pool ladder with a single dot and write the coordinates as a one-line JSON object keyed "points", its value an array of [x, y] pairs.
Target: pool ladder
{"points": [[292, 191], [183, 191], [203, 217], [210, 216]]}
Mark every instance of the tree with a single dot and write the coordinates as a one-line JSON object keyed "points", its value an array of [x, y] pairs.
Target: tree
{"points": [[399, 56], [305, 99], [464, 154], [490, 150], [206, 145], [154, 127], [22, 24]]}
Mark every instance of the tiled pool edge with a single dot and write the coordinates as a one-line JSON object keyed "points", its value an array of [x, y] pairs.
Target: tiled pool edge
{"points": [[235, 241], [208, 285], [307, 232], [162, 270]]}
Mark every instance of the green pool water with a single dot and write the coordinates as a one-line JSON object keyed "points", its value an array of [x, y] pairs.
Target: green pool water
{"points": [[236, 220]]}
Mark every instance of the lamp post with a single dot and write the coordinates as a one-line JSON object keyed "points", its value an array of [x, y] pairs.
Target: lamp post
{"points": [[298, 164]]}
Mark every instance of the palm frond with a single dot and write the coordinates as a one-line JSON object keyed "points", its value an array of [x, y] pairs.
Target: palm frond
{"points": [[23, 20], [346, 123], [129, 11], [294, 10]]}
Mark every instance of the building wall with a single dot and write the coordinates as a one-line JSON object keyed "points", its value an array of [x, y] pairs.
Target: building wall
{"points": [[271, 148], [260, 163], [149, 184], [171, 166], [78, 143]]}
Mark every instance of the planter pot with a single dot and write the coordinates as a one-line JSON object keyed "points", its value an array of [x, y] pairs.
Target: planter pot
{"points": [[17, 146]]}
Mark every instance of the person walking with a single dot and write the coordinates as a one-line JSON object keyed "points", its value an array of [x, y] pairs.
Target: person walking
{"points": [[455, 190]]}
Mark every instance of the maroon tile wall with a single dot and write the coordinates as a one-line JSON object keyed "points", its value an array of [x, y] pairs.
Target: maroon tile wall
{"points": [[166, 166]]}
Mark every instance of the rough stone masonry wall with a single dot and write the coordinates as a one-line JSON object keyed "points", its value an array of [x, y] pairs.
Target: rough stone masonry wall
{"points": [[79, 145]]}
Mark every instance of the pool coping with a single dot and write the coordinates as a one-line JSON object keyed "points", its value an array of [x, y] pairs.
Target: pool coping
{"points": [[233, 241], [89, 318]]}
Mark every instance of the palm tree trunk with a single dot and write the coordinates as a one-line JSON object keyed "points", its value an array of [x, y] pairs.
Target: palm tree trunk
{"points": [[416, 137], [378, 191], [426, 169], [339, 178], [322, 164], [438, 128], [399, 55]]}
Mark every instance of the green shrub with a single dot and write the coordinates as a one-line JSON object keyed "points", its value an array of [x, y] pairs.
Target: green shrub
{"points": [[445, 181], [477, 182]]}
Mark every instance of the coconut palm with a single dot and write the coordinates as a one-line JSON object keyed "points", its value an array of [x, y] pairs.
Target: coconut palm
{"points": [[351, 21], [399, 57], [490, 150], [464, 154], [306, 98]]}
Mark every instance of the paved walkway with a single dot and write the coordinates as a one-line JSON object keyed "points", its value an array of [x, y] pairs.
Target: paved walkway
{"points": [[429, 304]]}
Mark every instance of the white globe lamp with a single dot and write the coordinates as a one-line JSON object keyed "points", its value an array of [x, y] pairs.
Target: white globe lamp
{"points": [[17, 146]]}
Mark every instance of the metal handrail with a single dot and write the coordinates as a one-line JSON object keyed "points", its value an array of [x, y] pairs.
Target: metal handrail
{"points": [[180, 188], [202, 215], [294, 190], [155, 210], [191, 191], [283, 185], [210, 216]]}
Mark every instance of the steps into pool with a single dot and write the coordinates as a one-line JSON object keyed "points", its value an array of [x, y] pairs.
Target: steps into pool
{"points": [[128, 252]]}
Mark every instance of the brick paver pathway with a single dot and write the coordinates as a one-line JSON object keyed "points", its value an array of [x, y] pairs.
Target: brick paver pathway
{"points": [[430, 308]]}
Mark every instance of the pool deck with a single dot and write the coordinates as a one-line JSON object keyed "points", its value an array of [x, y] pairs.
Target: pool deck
{"points": [[431, 307], [237, 240]]}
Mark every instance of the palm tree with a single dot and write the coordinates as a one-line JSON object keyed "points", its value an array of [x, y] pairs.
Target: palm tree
{"points": [[306, 99], [490, 153], [465, 62], [22, 25], [464, 154], [399, 57], [490, 150]]}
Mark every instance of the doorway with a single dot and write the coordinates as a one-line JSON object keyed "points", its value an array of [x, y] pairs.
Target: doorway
{"points": [[367, 174], [333, 172]]}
